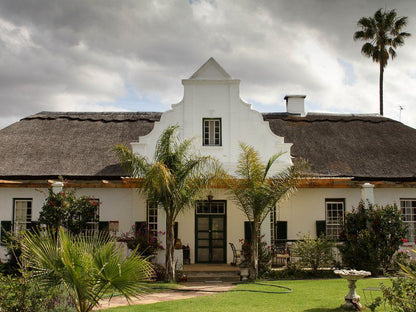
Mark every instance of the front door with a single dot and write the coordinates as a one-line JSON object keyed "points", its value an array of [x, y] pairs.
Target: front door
{"points": [[210, 232]]}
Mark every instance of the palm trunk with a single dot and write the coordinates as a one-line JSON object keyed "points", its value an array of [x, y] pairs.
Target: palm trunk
{"points": [[254, 270], [170, 248], [381, 87]]}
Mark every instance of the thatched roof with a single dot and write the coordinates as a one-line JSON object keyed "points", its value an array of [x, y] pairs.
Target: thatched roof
{"points": [[69, 144], [80, 145], [360, 146]]}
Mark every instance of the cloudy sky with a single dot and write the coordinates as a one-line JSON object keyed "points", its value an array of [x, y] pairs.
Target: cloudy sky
{"points": [[130, 55]]}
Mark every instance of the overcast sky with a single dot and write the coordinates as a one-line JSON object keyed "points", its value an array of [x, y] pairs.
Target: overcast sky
{"points": [[99, 55]]}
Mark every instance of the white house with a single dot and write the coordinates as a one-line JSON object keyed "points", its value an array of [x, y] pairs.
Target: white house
{"points": [[344, 152]]}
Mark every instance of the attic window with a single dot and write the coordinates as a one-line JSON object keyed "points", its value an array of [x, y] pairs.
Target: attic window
{"points": [[212, 131]]}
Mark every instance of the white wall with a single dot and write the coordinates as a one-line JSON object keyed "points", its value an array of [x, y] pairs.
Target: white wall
{"points": [[218, 97], [308, 205]]}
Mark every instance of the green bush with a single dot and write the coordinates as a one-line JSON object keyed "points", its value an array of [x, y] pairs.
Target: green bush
{"points": [[65, 209], [295, 272], [24, 295], [401, 295], [371, 236], [313, 253]]}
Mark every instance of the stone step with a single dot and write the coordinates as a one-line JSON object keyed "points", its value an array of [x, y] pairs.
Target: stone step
{"points": [[212, 276]]}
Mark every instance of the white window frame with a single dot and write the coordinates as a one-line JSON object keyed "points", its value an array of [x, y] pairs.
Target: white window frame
{"points": [[333, 222], [151, 216], [93, 225], [211, 132], [408, 209], [21, 219]]}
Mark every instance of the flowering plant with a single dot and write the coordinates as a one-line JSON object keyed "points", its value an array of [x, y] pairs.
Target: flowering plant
{"points": [[143, 239], [67, 210]]}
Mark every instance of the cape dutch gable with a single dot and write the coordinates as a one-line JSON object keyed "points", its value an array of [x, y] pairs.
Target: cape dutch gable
{"points": [[344, 153]]}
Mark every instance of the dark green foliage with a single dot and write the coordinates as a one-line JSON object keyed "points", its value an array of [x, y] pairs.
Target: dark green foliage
{"points": [[401, 295], [22, 294], [314, 253], [295, 272], [143, 241], [65, 209], [264, 255], [371, 236]]}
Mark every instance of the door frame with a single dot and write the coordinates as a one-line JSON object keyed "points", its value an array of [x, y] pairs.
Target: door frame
{"points": [[224, 216]]}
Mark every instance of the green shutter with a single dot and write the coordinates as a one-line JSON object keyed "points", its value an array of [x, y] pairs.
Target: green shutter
{"points": [[5, 227], [281, 230], [103, 226], [247, 231], [320, 228], [175, 230]]}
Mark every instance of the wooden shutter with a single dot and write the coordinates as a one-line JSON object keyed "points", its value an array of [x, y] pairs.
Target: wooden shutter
{"points": [[175, 230], [103, 226], [320, 228], [281, 230], [247, 231], [5, 227]]}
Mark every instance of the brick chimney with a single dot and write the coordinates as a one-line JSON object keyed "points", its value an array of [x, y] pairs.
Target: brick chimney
{"points": [[295, 104]]}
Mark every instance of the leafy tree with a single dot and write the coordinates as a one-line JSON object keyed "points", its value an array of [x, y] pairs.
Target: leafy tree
{"points": [[383, 34], [256, 194], [88, 266], [314, 253], [65, 209], [174, 180], [371, 236]]}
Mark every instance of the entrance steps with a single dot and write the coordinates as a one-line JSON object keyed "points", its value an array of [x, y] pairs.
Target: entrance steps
{"points": [[211, 273]]}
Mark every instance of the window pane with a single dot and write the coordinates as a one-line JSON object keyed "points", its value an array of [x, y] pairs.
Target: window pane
{"points": [[408, 209], [212, 132], [334, 217]]}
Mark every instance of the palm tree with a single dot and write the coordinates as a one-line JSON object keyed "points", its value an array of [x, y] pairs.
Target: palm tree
{"points": [[256, 194], [383, 34], [88, 266], [175, 180]]}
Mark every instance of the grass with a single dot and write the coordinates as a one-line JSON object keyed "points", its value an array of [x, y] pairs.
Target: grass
{"points": [[307, 296]]}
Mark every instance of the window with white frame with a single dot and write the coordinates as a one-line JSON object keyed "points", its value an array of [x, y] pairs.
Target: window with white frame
{"points": [[212, 132], [408, 208], [93, 221], [334, 216], [22, 214], [151, 218]]}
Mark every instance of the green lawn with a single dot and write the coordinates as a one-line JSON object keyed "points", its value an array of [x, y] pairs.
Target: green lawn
{"points": [[307, 295]]}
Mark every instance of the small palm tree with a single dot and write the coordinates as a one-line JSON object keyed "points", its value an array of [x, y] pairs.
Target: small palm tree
{"points": [[256, 194], [383, 34], [175, 179], [88, 266]]}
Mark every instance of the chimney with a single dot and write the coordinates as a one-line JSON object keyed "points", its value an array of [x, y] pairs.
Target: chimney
{"points": [[295, 104], [367, 193]]}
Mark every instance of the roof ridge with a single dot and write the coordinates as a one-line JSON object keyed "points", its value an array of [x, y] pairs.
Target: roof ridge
{"points": [[96, 116]]}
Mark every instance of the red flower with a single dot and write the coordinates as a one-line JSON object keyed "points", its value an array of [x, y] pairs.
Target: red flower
{"points": [[404, 240]]}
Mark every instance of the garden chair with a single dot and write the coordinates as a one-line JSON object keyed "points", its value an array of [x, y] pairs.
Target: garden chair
{"points": [[236, 255]]}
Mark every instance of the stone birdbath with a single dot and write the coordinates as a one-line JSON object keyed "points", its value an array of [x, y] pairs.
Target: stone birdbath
{"points": [[352, 276]]}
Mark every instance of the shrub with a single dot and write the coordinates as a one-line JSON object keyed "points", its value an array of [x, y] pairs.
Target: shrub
{"points": [[401, 295], [143, 241], [67, 210], [314, 253], [371, 235], [23, 294], [263, 253]]}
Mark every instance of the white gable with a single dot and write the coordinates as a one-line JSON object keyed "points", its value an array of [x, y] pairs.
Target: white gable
{"points": [[212, 93]]}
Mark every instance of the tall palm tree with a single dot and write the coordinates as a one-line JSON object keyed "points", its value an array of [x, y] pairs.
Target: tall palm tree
{"points": [[383, 34], [175, 180], [88, 266], [256, 194]]}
